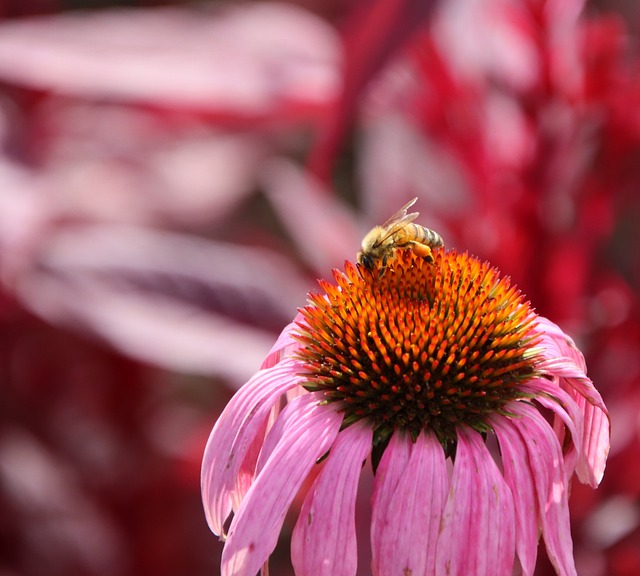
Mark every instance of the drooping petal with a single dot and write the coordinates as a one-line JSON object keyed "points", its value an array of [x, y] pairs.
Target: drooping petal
{"points": [[565, 363], [478, 526], [572, 378], [557, 344], [595, 446], [284, 345], [392, 468], [561, 403], [324, 539], [563, 360], [233, 435], [519, 477], [306, 431], [410, 528], [567, 413], [591, 435], [549, 475]]}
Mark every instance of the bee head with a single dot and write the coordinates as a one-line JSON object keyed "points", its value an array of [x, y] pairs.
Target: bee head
{"points": [[365, 260]]}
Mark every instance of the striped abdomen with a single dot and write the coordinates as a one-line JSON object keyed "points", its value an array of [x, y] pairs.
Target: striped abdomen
{"points": [[414, 233]]}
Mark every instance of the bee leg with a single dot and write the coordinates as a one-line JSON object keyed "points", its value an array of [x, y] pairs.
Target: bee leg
{"points": [[422, 250], [383, 267]]}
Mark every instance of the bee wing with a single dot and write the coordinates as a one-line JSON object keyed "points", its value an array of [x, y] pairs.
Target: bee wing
{"points": [[397, 222], [401, 215]]}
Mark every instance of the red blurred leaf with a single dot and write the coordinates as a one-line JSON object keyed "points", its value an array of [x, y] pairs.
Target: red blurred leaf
{"points": [[176, 301], [242, 61], [118, 163], [60, 509], [324, 230], [374, 34]]}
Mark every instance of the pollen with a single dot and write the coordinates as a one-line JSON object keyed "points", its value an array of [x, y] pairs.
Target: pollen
{"points": [[427, 344]]}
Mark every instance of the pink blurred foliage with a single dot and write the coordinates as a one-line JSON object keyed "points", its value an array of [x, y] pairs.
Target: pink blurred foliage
{"points": [[173, 180], [132, 157]]}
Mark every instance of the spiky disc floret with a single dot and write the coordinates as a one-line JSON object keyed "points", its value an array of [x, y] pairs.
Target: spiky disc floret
{"points": [[424, 346]]}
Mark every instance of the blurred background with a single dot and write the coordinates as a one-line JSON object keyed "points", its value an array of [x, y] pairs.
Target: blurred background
{"points": [[175, 176]]}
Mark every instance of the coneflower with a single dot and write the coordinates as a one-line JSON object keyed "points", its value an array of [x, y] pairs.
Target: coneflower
{"points": [[419, 371]]}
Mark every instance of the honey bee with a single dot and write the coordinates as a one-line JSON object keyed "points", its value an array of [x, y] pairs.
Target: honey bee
{"points": [[399, 232]]}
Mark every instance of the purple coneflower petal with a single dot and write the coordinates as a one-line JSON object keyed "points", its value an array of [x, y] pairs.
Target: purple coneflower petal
{"points": [[563, 360], [561, 403], [375, 356], [568, 368], [565, 363], [408, 518], [478, 531], [573, 379], [546, 462], [557, 344], [324, 539], [567, 414], [233, 435], [519, 477], [284, 345], [306, 432], [392, 468], [593, 457]]}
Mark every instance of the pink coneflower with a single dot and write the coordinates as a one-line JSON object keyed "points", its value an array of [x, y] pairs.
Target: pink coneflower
{"points": [[473, 412]]}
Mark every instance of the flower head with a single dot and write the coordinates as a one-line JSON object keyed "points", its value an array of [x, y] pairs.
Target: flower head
{"points": [[414, 369]]}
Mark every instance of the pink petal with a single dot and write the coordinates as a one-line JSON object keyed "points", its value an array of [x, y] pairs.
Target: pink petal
{"points": [[596, 439], [519, 477], [405, 536], [324, 539], [562, 404], [567, 412], [284, 345], [546, 462], [392, 468], [559, 344], [564, 360], [306, 431], [566, 363], [594, 426], [572, 377], [478, 526], [233, 435]]}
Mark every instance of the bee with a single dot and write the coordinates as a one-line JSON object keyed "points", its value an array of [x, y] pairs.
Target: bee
{"points": [[399, 232]]}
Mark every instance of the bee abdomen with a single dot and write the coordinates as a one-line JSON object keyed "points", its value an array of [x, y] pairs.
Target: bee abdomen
{"points": [[427, 236]]}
